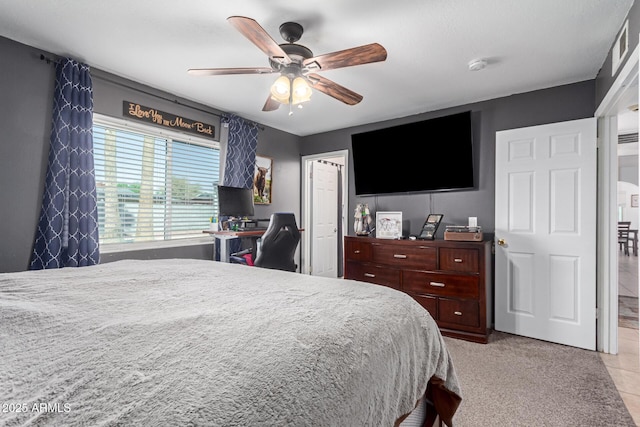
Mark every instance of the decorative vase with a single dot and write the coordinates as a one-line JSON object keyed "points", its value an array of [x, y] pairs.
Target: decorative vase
{"points": [[362, 220]]}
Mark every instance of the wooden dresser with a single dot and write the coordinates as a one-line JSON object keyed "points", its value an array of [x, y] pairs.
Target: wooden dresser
{"points": [[451, 279]]}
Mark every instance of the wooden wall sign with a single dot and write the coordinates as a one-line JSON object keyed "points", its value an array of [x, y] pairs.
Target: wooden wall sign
{"points": [[151, 115]]}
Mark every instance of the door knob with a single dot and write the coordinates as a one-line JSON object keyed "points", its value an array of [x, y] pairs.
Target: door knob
{"points": [[501, 242]]}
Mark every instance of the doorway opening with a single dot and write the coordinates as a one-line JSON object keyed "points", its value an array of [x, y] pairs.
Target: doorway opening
{"points": [[628, 176], [325, 222], [611, 117]]}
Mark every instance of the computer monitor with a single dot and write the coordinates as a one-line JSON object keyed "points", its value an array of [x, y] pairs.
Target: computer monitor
{"points": [[234, 201]]}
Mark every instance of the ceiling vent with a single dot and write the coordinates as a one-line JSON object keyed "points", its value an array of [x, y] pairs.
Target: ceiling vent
{"points": [[628, 138], [620, 48]]}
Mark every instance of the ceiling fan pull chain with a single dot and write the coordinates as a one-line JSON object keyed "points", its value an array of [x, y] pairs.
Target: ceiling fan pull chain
{"points": [[290, 97]]}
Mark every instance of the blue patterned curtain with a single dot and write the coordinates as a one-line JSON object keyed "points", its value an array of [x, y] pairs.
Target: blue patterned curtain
{"points": [[241, 152], [67, 234]]}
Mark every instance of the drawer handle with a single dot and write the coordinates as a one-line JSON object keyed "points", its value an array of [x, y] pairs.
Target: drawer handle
{"points": [[357, 251], [457, 260], [401, 256], [457, 313], [437, 284], [369, 275]]}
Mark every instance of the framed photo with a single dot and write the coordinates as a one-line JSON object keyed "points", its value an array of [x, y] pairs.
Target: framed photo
{"points": [[430, 227], [388, 225], [262, 182], [634, 200]]}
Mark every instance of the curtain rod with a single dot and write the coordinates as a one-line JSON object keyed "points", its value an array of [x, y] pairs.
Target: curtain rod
{"points": [[328, 162], [175, 101], [47, 59]]}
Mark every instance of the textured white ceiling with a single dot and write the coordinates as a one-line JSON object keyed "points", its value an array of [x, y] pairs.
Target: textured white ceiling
{"points": [[529, 45]]}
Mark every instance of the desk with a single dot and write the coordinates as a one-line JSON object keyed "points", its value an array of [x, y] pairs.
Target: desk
{"points": [[226, 236]]}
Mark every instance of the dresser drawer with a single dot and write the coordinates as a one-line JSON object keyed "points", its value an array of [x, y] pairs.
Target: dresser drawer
{"points": [[422, 282], [414, 256], [458, 312], [373, 274], [453, 259], [357, 250], [430, 303]]}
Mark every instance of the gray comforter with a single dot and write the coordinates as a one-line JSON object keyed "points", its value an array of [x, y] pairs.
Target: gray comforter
{"points": [[189, 342]]}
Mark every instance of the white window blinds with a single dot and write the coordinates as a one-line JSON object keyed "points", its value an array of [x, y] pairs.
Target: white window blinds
{"points": [[151, 186]]}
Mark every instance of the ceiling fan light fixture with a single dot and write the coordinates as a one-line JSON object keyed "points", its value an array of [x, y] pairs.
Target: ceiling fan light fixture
{"points": [[281, 89], [287, 91], [301, 90]]}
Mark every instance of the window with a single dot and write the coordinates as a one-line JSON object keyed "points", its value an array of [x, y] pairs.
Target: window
{"points": [[152, 185]]}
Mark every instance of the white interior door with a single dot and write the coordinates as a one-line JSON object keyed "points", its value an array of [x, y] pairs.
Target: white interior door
{"points": [[324, 219], [546, 232]]}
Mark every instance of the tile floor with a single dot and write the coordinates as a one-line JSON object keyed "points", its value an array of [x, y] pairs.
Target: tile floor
{"points": [[624, 367], [627, 275]]}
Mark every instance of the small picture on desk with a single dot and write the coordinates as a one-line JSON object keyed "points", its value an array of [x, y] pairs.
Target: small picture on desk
{"points": [[262, 180], [634, 200]]}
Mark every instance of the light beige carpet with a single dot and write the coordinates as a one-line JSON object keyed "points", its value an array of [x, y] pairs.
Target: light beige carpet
{"points": [[518, 381]]}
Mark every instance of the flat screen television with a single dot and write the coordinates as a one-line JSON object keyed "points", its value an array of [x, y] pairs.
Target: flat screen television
{"points": [[234, 201], [426, 156]]}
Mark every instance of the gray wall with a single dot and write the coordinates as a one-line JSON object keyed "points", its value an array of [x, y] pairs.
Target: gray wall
{"points": [[557, 104], [27, 84], [191, 251], [628, 169]]}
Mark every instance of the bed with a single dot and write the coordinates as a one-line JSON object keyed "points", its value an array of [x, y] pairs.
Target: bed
{"points": [[194, 342]]}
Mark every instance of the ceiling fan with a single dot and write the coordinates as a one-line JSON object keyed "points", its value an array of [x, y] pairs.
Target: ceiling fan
{"points": [[296, 65]]}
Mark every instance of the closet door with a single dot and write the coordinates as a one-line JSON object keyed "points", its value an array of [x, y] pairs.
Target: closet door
{"points": [[324, 219]]}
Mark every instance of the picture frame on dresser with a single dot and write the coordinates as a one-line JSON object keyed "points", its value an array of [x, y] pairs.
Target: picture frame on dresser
{"points": [[388, 225], [430, 227]]}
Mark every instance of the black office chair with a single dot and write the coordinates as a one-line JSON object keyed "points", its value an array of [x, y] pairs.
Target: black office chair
{"points": [[243, 257], [279, 243]]}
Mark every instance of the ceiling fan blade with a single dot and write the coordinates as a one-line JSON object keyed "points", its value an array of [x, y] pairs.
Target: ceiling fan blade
{"points": [[271, 104], [366, 54], [227, 71], [334, 90], [258, 36]]}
